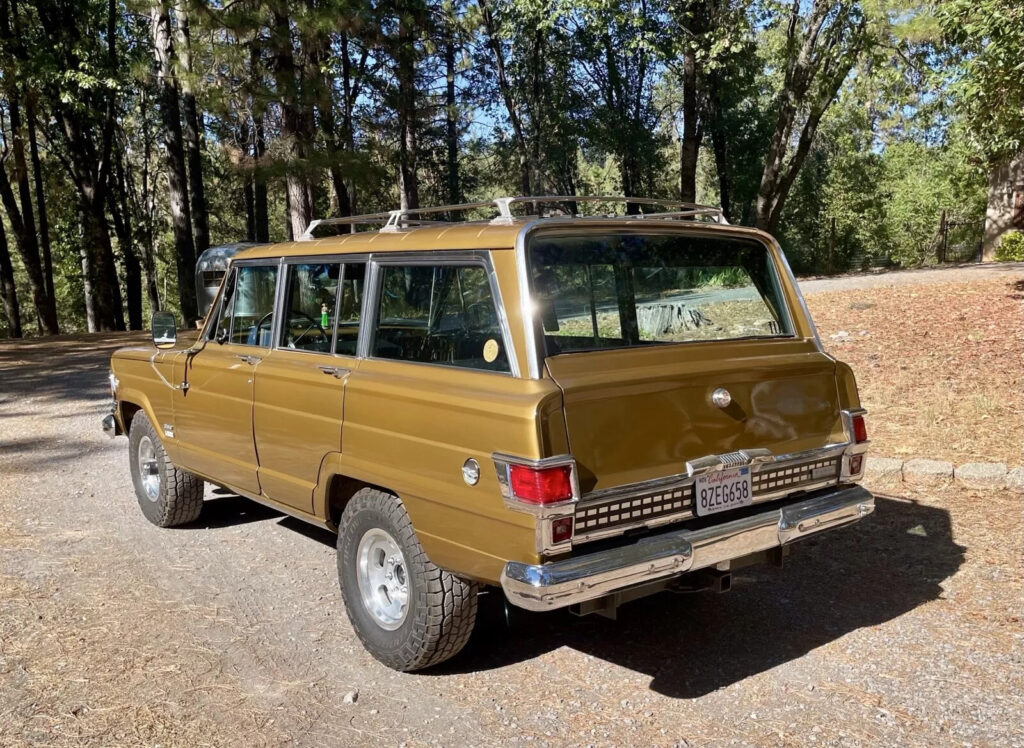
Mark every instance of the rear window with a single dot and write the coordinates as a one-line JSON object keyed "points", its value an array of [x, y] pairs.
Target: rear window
{"points": [[631, 289]]}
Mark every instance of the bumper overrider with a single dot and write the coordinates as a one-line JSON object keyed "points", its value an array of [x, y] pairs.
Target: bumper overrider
{"points": [[576, 580]]}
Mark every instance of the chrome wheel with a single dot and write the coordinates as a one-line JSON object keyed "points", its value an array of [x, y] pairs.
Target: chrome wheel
{"points": [[149, 468], [383, 578]]}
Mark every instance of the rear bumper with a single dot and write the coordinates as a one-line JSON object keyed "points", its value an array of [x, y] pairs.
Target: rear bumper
{"points": [[576, 580]]}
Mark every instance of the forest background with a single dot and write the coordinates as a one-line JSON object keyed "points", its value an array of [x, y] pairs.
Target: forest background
{"points": [[135, 134]]}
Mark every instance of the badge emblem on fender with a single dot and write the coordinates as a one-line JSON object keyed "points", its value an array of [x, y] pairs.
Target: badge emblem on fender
{"points": [[721, 397]]}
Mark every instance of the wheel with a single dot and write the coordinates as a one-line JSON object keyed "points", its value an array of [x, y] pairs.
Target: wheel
{"points": [[407, 612], [167, 495]]}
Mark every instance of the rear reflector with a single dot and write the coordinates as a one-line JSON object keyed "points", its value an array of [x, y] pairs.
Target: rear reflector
{"points": [[561, 530], [856, 464], [540, 485], [860, 429]]}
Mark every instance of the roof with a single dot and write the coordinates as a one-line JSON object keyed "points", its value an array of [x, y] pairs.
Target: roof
{"points": [[465, 236], [406, 230]]}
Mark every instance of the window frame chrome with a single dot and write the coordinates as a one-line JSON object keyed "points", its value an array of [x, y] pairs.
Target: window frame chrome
{"points": [[339, 259], [440, 257], [535, 352]]}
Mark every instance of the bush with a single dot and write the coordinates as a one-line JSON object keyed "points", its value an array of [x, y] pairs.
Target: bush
{"points": [[1011, 247]]}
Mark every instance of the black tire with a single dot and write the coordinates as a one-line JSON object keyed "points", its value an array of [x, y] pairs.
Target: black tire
{"points": [[175, 497], [441, 608]]}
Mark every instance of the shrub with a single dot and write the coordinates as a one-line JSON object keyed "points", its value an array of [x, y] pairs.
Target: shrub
{"points": [[1011, 247]]}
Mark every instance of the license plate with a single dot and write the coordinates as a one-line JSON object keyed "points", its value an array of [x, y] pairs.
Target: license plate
{"points": [[722, 490]]}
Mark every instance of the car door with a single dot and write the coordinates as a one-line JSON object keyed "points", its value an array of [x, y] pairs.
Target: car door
{"points": [[213, 419], [298, 401]]}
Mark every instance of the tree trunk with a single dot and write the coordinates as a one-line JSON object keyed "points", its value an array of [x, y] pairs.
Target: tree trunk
{"points": [[494, 42], [177, 179], [44, 221], [259, 182], [720, 146], [22, 217], [148, 210], [192, 135], [119, 212], [689, 144], [819, 58], [300, 207], [405, 72], [8, 292], [451, 115], [341, 205]]}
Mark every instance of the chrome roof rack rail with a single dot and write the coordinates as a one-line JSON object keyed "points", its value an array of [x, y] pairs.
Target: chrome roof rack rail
{"points": [[395, 220]]}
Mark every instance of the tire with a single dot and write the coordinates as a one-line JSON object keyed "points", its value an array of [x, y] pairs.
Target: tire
{"points": [[168, 496], [378, 549]]}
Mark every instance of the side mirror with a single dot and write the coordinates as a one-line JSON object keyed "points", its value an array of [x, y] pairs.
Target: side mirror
{"points": [[165, 330]]}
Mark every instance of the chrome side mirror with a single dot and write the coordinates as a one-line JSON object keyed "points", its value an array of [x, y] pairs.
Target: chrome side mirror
{"points": [[165, 330]]}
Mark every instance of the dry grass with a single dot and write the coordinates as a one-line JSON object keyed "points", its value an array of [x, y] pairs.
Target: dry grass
{"points": [[939, 365]]}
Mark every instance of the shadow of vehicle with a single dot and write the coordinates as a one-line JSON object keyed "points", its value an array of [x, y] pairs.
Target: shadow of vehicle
{"points": [[228, 510], [691, 645]]}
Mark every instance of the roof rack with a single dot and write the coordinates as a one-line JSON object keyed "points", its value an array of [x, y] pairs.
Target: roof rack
{"points": [[394, 220]]}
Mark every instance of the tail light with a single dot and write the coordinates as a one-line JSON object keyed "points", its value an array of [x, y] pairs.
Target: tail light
{"points": [[860, 429], [546, 485]]}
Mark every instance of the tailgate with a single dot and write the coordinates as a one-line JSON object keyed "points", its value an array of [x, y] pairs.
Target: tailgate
{"points": [[640, 414]]}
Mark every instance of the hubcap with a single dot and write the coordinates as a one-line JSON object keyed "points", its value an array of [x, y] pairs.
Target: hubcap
{"points": [[382, 576], [149, 468]]}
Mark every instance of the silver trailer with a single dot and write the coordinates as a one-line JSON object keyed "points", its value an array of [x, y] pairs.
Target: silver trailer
{"points": [[210, 269]]}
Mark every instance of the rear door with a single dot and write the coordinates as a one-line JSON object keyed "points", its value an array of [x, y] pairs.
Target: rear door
{"points": [[641, 329], [299, 396]]}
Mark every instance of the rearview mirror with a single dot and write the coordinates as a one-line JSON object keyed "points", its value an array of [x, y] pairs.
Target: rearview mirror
{"points": [[165, 330]]}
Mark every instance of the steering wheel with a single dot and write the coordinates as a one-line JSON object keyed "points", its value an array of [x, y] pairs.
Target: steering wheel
{"points": [[265, 318], [312, 323]]}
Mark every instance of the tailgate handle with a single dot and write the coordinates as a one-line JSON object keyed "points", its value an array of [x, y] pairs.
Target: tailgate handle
{"points": [[335, 371]]}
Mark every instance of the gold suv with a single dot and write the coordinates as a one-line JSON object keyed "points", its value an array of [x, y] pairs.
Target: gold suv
{"points": [[580, 410]]}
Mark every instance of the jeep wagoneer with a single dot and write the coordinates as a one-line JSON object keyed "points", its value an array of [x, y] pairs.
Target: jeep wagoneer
{"points": [[578, 410]]}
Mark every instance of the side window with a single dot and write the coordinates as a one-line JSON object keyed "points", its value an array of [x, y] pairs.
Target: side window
{"points": [[310, 295], [350, 310], [439, 314], [251, 306]]}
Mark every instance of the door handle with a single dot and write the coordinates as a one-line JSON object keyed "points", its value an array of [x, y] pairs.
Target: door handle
{"points": [[335, 371], [252, 360]]}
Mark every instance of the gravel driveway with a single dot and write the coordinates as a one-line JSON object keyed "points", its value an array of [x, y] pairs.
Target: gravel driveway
{"points": [[904, 629]]}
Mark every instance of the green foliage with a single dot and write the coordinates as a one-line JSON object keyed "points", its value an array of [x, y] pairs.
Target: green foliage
{"points": [[1011, 247], [985, 44], [596, 86]]}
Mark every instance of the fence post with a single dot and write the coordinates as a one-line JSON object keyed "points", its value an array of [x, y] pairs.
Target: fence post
{"points": [[944, 231], [831, 245]]}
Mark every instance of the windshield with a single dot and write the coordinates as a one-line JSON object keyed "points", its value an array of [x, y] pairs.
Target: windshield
{"points": [[621, 290]]}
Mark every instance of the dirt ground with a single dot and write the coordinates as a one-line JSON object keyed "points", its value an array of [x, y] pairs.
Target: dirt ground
{"points": [[938, 363], [905, 629]]}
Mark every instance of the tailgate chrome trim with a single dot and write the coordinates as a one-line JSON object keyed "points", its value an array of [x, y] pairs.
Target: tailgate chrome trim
{"points": [[574, 580]]}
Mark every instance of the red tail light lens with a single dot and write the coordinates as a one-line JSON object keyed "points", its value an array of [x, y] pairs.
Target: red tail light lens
{"points": [[540, 485], [860, 430]]}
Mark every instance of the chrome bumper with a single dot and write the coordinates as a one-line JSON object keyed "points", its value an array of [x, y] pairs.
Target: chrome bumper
{"points": [[576, 580]]}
